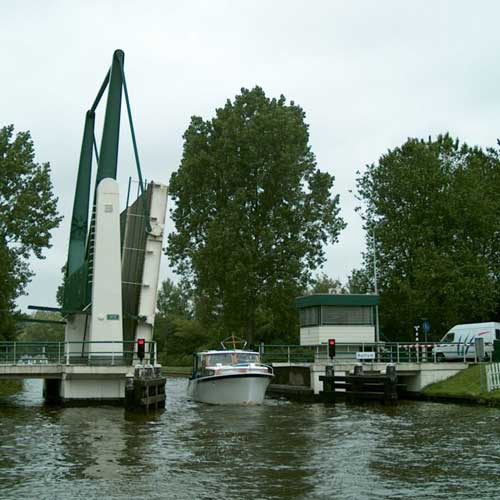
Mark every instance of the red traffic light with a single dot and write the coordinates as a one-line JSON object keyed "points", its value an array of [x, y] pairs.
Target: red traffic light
{"points": [[141, 348], [331, 348]]}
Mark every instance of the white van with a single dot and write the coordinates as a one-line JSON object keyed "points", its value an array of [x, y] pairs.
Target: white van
{"points": [[458, 343]]}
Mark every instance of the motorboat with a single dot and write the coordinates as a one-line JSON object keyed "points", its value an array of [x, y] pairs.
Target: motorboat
{"points": [[229, 376]]}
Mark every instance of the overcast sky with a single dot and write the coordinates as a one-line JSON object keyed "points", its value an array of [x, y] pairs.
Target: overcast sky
{"points": [[367, 74]]}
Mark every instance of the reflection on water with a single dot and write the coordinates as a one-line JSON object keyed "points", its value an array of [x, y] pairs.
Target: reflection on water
{"points": [[279, 450]]}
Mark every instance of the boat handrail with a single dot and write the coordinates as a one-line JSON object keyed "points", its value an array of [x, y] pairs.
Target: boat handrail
{"points": [[234, 340], [269, 367], [218, 365]]}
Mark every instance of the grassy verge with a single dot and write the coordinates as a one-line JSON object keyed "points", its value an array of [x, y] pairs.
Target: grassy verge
{"points": [[177, 370], [469, 384], [9, 387]]}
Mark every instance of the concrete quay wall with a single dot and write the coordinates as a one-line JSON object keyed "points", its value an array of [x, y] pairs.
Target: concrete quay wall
{"points": [[416, 376]]}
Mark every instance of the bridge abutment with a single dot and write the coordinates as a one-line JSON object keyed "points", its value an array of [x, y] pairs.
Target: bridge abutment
{"points": [[92, 390], [415, 376]]}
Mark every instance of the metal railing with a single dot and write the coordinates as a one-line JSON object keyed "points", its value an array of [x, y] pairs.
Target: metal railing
{"points": [[493, 377], [383, 352], [93, 353]]}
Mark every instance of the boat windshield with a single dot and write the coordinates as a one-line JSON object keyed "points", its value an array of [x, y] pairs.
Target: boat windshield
{"points": [[247, 357], [231, 358]]}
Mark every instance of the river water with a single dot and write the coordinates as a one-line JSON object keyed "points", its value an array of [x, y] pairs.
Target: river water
{"points": [[281, 450]]}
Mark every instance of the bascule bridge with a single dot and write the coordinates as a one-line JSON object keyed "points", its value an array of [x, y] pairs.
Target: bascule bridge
{"points": [[112, 271]]}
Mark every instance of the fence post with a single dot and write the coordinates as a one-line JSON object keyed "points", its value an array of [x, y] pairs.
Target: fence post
{"points": [[66, 351], [14, 360], [288, 354]]}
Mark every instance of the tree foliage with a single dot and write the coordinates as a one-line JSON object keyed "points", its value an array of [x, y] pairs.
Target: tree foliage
{"points": [[434, 210], [28, 212], [322, 283], [252, 213], [174, 300], [43, 332], [177, 334]]}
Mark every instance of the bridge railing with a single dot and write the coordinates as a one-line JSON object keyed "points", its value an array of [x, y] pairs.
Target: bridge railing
{"points": [[383, 352], [96, 353]]}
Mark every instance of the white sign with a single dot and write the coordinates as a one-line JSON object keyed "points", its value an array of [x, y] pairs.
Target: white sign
{"points": [[365, 355]]}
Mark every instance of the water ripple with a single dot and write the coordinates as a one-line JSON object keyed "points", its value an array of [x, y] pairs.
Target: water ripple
{"points": [[281, 450]]}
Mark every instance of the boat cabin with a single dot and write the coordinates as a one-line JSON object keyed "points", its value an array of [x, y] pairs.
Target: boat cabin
{"points": [[205, 362]]}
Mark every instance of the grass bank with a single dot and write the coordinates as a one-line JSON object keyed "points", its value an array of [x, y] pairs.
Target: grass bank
{"points": [[9, 387], [183, 371], [468, 385]]}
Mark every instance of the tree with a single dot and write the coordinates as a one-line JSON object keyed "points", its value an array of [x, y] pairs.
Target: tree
{"points": [[322, 283], [177, 334], [252, 213], [174, 300], [45, 328], [360, 281], [434, 209], [28, 212]]}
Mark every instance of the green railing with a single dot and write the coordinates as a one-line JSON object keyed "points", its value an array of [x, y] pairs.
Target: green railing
{"points": [[381, 352], [98, 353]]}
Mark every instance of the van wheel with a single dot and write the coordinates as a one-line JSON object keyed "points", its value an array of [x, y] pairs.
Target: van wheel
{"points": [[440, 357]]}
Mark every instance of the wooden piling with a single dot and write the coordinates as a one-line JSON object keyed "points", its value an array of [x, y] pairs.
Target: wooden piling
{"points": [[145, 390], [360, 386]]}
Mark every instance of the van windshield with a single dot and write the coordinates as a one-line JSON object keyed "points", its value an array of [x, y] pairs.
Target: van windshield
{"points": [[448, 337]]}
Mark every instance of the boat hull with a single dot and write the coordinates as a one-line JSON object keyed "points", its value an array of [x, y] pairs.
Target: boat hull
{"points": [[237, 389]]}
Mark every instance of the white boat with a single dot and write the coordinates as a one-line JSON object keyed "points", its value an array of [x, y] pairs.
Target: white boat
{"points": [[229, 377]]}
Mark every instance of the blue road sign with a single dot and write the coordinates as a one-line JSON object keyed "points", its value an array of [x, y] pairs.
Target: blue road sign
{"points": [[426, 326]]}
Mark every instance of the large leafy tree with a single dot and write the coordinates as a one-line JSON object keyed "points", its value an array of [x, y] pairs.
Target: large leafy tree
{"points": [[252, 213], [432, 211], [28, 212]]}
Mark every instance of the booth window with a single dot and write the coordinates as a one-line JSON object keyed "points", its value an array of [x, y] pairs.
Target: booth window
{"points": [[347, 315], [309, 316]]}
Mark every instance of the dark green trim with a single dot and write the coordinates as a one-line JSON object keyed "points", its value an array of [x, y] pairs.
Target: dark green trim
{"points": [[108, 156], [79, 220], [336, 300]]}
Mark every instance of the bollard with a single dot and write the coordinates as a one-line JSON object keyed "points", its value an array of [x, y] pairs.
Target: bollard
{"points": [[329, 385], [390, 384], [328, 393], [390, 370], [356, 383]]}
